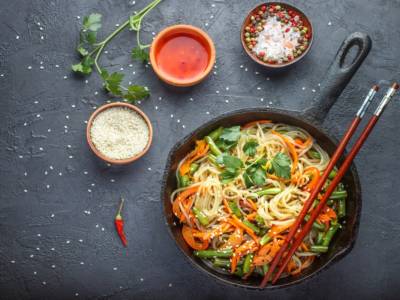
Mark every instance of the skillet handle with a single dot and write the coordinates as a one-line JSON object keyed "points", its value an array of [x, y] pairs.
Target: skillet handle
{"points": [[339, 75]]}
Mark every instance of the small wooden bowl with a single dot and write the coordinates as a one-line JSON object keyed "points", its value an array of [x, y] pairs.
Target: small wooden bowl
{"points": [[304, 18], [101, 155], [182, 29]]}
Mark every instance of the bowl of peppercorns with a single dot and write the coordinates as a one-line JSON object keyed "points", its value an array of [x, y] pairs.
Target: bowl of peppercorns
{"points": [[276, 34]]}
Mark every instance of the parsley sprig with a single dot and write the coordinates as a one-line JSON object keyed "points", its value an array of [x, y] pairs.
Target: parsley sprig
{"points": [[90, 50]]}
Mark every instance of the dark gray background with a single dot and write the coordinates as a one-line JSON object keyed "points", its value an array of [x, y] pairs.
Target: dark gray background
{"points": [[57, 239]]}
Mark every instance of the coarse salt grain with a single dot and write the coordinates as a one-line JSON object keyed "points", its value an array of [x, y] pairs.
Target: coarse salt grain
{"points": [[119, 133]]}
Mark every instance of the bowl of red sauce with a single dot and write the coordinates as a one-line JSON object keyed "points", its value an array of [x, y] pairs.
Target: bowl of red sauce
{"points": [[276, 34], [182, 55]]}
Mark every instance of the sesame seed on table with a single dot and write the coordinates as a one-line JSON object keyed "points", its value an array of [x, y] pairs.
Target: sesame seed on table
{"points": [[57, 237]]}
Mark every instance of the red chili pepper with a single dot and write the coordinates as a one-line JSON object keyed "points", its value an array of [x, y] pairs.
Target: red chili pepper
{"points": [[263, 8], [119, 224]]}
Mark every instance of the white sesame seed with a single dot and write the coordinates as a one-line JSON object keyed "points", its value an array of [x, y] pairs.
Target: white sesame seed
{"points": [[13, 261], [53, 266], [39, 235], [57, 66], [52, 216], [65, 76], [67, 241], [25, 190], [115, 268], [303, 88], [29, 67], [31, 256]]}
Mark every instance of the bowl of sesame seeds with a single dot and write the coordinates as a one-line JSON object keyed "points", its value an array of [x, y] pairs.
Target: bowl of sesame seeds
{"points": [[119, 133], [276, 34]]}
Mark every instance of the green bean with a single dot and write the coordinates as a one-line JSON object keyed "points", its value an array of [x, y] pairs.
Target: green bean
{"points": [[239, 272], [213, 253], [265, 268], [213, 159], [330, 202], [214, 149], [320, 237], [235, 209], [319, 249], [329, 234], [270, 191], [315, 225], [332, 174], [252, 226], [314, 154], [342, 208], [222, 263], [265, 239], [216, 133], [247, 263], [193, 168], [338, 195], [201, 217], [183, 181]]}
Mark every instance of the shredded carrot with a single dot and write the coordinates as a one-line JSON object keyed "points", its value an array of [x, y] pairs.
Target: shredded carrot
{"points": [[251, 216], [246, 248], [275, 229], [207, 235], [268, 252], [292, 149], [235, 239], [315, 173], [326, 216], [236, 222], [180, 199], [188, 236], [200, 150], [227, 206], [251, 124], [303, 144], [252, 204]]}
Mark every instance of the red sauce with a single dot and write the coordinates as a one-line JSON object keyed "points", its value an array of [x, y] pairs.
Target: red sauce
{"points": [[182, 56]]}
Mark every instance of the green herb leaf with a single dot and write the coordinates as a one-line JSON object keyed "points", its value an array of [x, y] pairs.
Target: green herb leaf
{"points": [[232, 162], [228, 175], [85, 66], [112, 82], [231, 134], [92, 22], [136, 92], [82, 51], [250, 148], [140, 54], [255, 173], [281, 165], [259, 177]]}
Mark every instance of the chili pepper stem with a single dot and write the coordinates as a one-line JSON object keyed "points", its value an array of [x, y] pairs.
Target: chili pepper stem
{"points": [[121, 205]]}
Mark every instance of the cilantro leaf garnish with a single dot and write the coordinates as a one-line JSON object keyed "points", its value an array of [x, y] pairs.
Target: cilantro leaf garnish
{"points": [[232, 166], [255, 174], [231, 134], [250, 148], [281, 165]]}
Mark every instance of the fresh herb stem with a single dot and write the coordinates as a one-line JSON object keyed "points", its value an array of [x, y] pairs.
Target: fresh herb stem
{"points": [[91, 52]]}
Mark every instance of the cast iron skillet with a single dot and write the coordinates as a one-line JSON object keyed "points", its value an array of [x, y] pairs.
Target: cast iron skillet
{"points": [[335, 81]]}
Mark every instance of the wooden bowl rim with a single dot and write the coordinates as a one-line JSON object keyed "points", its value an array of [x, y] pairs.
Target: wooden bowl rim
{"points": [[106, 158]]}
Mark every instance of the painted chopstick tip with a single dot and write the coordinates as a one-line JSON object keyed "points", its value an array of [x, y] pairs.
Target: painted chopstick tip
{"points": [[375, 87], [395, 86]]}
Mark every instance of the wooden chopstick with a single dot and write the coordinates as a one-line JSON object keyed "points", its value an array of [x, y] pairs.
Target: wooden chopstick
{"points": [[342, 171], [339, 151]]}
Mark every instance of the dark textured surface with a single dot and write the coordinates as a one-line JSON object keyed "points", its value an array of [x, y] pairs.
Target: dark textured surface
{"points": [[57, 204]]}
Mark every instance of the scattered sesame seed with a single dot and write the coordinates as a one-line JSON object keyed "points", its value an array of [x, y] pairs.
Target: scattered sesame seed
{"points": [[52, 249], [53, 266], [65, 76], [52, 216], [13, 261], [29, 67], [141, 279], [31, 256], [115, 268], [82, 263], [329, 23], [25, 190], [57, 66], [102, 228], [34, 272], [44, 282], [207, 112], [67, 241], [39, 235], [303, 88]]}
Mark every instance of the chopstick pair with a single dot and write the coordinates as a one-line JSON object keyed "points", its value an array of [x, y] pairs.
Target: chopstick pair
{"points": [[295, 228]]}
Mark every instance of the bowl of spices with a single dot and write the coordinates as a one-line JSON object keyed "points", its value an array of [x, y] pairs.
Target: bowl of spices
{"points": [[119, 133], [276, 34], [182, 55]]}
